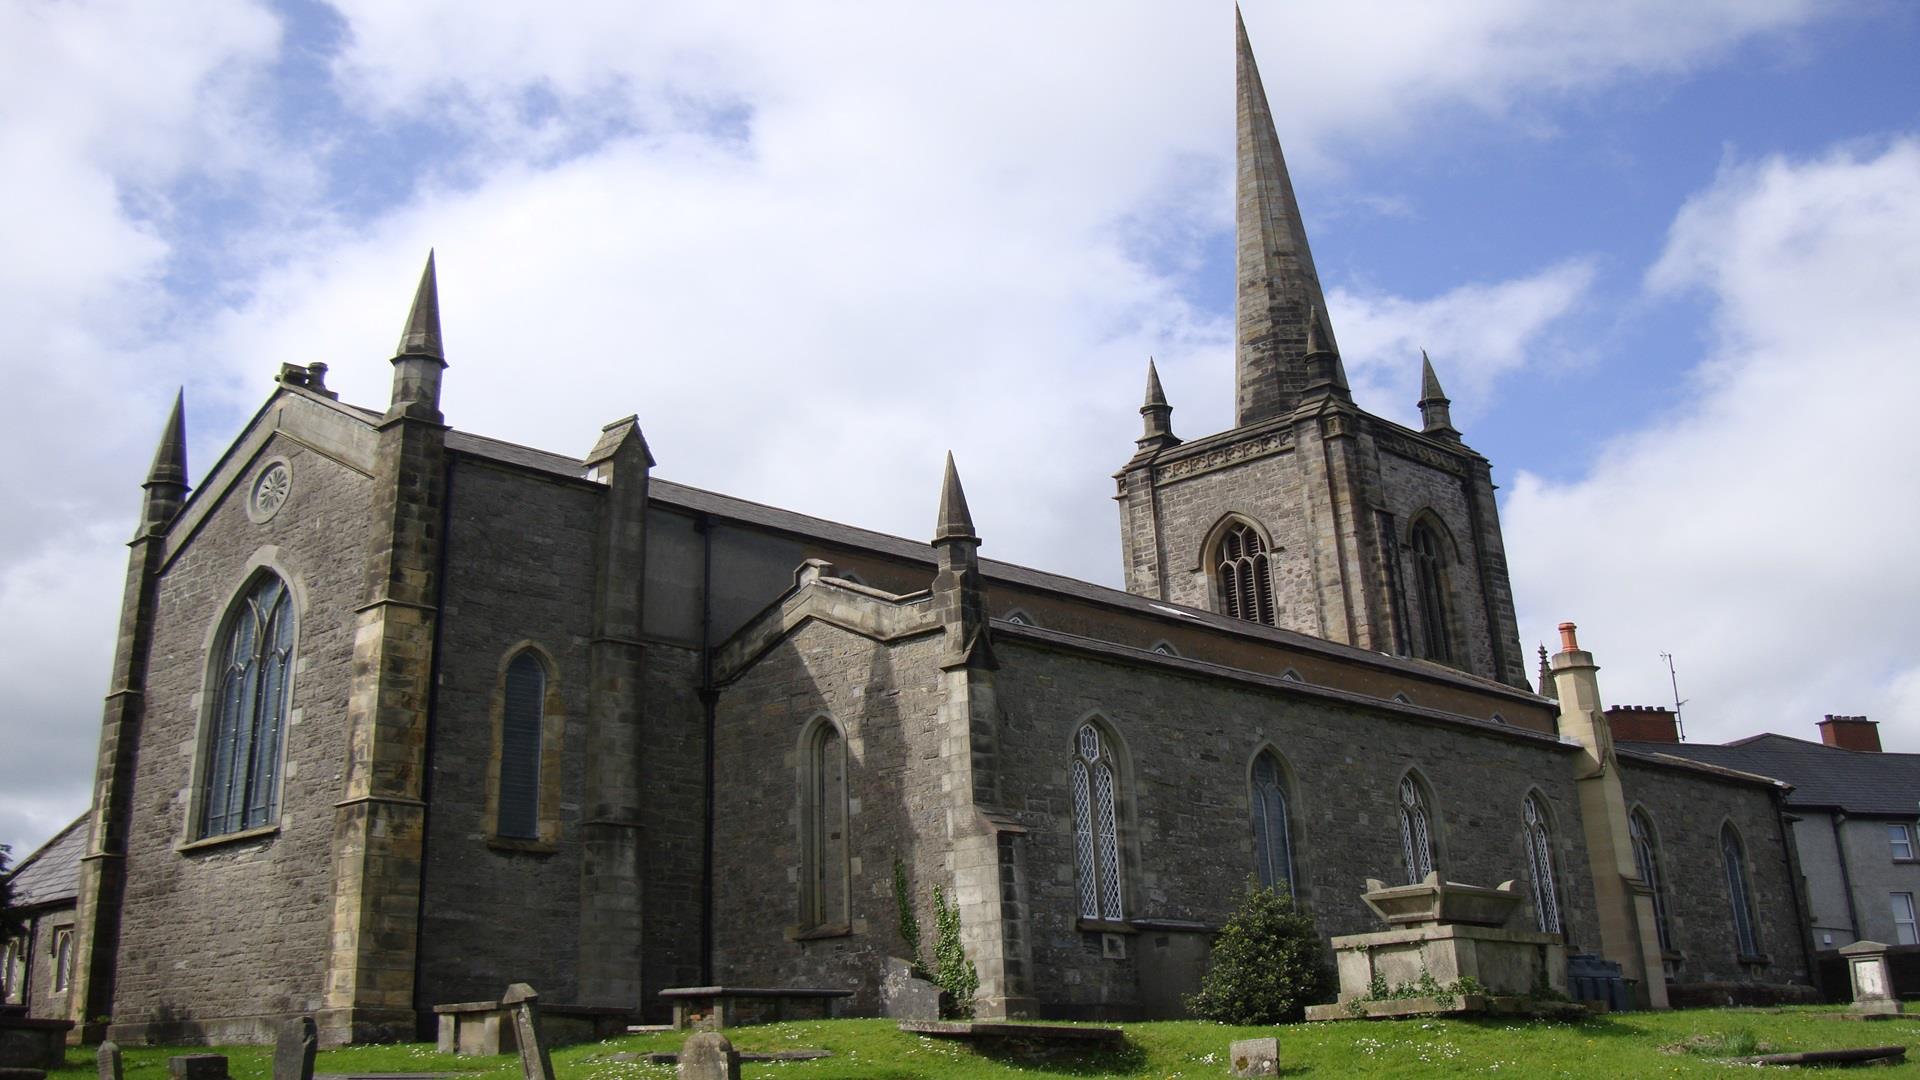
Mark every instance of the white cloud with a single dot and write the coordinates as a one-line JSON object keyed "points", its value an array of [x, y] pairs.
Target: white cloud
{"points": [[1764, 533], [1474, 334]]}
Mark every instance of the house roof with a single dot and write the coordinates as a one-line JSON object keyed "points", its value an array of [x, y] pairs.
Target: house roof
{"points": [[52, 873], [1823, 777]]}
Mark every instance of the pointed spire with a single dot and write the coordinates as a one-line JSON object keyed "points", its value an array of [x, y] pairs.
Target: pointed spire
{"points": [[422, 335], [1277, 283], [1547, 689], [1157, 417], [955, 521], [1324, 371], [1156, 397], [1435, 418], [170, 457]]}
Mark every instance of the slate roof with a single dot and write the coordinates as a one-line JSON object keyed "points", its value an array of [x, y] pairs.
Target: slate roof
{"points": [[52, 873], [1823, 777]]}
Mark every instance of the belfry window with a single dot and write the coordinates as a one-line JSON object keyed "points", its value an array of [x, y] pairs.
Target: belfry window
{"points": [[241, 780], [1243, 577], [1272, 825], [1739, 891], [826, 871], [522, 719], [1096, 833], [1546, 893], [1416, 829], [1429, 572], [1646, 859]]}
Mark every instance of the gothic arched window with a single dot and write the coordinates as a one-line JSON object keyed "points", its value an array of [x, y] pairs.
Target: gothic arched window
{"points": [[1646, 859], [1096, 829], [522, 722], [1272, 824], [1429, 574], [1416, 829], [1546, 892], [1739, 891], [826, 870], [241, 785], [1243, 577]]}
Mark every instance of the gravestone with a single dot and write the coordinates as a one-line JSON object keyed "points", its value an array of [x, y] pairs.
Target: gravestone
{"points": [[708, 1055], [293, 1051], [197, 1067], [1255, 1057], [522, 1002], [905, 996], [108, 1059]]}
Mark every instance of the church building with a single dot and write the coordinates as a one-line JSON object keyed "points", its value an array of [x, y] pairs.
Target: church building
{"points": [[401, 714]]}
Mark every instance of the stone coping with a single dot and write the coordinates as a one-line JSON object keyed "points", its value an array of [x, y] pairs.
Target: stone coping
{"points": [[678, 992], [975, 1029], [1452, 1005], [545, 1007], [35, 1023], [1442, 932]]}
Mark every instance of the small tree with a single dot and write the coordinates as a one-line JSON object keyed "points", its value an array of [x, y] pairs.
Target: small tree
{"points": [[10, 925], [952, 971], [1265, 967]]}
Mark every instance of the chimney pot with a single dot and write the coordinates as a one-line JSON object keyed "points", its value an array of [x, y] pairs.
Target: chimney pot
{"points": [[1568, 642], [1851, 733]]}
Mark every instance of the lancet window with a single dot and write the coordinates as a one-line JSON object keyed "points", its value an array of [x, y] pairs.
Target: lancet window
{"points": [[1416, 829], [1739, 891], [241, 777], [1272, 824], [1546, 891], [1096, 832], [522, 719], [1243, 576], [1429, 572], [824, 883], [1646, 859]]}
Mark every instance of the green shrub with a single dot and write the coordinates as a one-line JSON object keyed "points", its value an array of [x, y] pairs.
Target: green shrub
{"points": [[952, 971], [1266, 966], [909, 922]]}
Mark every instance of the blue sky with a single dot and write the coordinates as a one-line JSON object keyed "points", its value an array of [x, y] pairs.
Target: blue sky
{"points": [[1663, 257]]}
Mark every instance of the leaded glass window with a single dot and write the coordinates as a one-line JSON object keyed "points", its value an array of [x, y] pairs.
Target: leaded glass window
{"points": [[1739, 891], [522, 719], [241, 785], [1546, 893], [1272, 829], [827, 871], [1096, 833], [1416, 830], [1245, 580], [1429, 573], [1646, 859]]}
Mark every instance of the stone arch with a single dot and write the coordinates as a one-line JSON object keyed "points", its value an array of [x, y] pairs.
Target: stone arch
{"points": [[825, 820], [264, 769], [1238, 556], [1435, 558]]}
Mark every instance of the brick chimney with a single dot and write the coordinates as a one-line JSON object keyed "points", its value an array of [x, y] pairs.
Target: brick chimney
{"points": [[1643, 723], [1851, 733]]}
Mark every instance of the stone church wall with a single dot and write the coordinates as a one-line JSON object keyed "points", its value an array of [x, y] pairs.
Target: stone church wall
{"points": [[1271, 492], [886, 700], [1189, 744], [260, 905], [1687, 810], [520, 569]]}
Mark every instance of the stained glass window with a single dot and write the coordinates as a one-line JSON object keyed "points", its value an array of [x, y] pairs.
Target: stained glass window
{"points": [[1416, 830], [241, 786], [1096, 832], [1272, 829]]}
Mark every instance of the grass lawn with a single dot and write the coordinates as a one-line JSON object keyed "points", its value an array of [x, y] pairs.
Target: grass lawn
{"points": [[1626, 1045]]}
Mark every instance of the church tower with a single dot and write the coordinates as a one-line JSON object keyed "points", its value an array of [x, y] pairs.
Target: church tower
{"points": [[1310, 514]]}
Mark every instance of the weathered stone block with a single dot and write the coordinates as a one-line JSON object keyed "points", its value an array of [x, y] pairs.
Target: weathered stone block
{"points": [[1255, 1057], [107, 1061], [905, 997], [197, 1067], [708, 1055], [294, 1051]]}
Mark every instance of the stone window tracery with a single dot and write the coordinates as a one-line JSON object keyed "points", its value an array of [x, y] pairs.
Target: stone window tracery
{"points": [[1272, 824], [1546, 891], [1646, 859], [1429, 572], [1096, 833], [1739, 891], [1416, 829], [1243, 575], [241, 777]]}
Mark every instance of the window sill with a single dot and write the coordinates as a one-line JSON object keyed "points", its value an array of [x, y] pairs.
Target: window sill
{"points": [[820, 933], [521, 845], [1756, 959], [223, 839], [1106, 926], [1909, 861]]}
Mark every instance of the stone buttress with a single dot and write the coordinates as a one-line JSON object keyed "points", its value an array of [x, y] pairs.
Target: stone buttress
{"points": [[379, 824], [103, 871]]}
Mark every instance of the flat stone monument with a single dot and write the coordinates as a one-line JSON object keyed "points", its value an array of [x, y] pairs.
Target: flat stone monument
{"points": [[1255, 1057], [523, 1003], [708, 1055], [906, 996], [107, 1059], [197, 1067], [294, 1050], [1871, 979]]}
